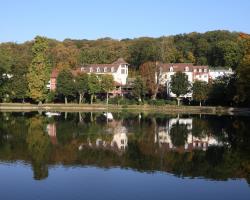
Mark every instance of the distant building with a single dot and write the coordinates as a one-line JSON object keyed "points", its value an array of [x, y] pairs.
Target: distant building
{"points": [[194, 73], [219, 72], [118, 69]]}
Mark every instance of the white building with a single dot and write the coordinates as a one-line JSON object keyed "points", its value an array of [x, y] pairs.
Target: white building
{"points": [[193, 73], [219, 72], [118, 69]]}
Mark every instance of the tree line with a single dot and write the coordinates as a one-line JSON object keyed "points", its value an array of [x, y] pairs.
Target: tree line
{"points": [[25, 68]]}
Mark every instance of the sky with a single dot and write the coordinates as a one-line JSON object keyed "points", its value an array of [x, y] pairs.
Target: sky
{"points": [[22, 20]]}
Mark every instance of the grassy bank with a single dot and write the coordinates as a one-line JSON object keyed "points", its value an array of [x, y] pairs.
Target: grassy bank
{"points": [[103, 107]]}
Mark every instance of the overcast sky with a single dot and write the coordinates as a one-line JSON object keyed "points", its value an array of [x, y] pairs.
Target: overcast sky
{"points": [[22, 20]]}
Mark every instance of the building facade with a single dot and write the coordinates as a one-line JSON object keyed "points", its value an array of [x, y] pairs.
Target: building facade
{"points": [[194, 73], [118, 69]]}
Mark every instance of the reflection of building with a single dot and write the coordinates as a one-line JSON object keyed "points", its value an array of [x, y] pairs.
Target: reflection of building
{"points": [[51, 129], [119, 139], [163, 137]]}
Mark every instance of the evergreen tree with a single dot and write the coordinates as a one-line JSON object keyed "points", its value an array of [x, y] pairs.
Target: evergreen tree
{"points": [[81, 85], [39, 69], [65, 84], [179, 85], [200, 91], [107, 85], [93, 86], [139, 88]]}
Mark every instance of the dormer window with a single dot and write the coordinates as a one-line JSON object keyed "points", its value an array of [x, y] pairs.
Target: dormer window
{"points": [[186, 69], [98, 69], [90, 69], [105, 69], [171, 69]]}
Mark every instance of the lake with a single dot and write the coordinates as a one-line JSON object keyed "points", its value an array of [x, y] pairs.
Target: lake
{"points": [[123, 156]]}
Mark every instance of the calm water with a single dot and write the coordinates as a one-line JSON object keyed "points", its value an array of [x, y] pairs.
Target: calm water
{"points": [[128, 156]]}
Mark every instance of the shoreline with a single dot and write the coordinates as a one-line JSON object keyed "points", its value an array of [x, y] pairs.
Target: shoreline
{"points": [[26, 107]]}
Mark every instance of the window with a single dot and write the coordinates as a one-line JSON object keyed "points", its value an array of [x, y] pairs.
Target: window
{"points": [[200, 70], [98, 69], [123, 71], [90, 69], [122, 141], [105, 69], [112, 69], [186, 69], [195, 70], [171, 69], [205, 70]]}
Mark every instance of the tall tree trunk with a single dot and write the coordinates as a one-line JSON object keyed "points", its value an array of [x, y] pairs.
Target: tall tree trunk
{"points": [[65, 100], [80, 97], [91, 99], [107, 98], [178, 101]]}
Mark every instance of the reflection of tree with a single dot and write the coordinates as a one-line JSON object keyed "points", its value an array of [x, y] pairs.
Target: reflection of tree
{"points": [[38, 147], [200, 128], [178, 134]]}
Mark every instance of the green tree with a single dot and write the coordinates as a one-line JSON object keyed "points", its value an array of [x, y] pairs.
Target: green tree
{"points": [[81, 85], [18, 82], [179, 85], [139, 88], [93, 86], [227, 53], [107, 85], [39, 69], [243, 73], [65, 84], [178, 134], [200, 91], [38, 147]]}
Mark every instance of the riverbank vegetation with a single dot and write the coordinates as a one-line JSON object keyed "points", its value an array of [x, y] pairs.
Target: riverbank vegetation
{"points": [[25, 68]]}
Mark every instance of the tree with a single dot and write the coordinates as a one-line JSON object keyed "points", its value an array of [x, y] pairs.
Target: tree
{"points": [[151, 75], [65, 84], [143, 50], [38, 147], [179, 85], [200, 91], [139, 88], [227, 53], [223, 91], [107, 84], [81, 85], [243, 73], [65, 56], [178, 134], [93, 86], [39, 69]]}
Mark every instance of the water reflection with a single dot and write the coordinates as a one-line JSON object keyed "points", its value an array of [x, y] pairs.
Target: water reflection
{"points": [[195, 146]]}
